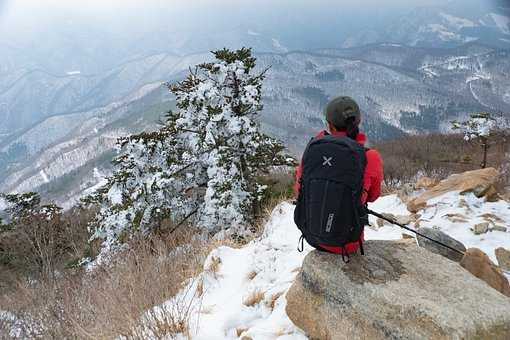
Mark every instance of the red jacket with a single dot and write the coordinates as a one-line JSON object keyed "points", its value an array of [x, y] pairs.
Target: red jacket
{"points": [[371, 184]]}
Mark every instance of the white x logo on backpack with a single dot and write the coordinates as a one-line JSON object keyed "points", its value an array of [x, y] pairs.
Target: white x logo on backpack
{"points": [[327, 161]]}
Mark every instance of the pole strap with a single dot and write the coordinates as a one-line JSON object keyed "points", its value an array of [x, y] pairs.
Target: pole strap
{"points": [[413, 231]]}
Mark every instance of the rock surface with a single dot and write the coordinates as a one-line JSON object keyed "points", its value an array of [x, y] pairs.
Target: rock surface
{"points": [[498, 228], [425, 183], [479, 264], [503, 257], [479, 181], [396, 291], [404, 219], [489, 192], [437, 248], [481, 228]]}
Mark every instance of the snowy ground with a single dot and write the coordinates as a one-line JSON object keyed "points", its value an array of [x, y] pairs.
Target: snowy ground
{"points": [[264, 270], [241, 292]]}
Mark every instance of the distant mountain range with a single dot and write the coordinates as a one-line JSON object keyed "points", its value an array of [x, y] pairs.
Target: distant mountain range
{"points": [[81, 70], [454, 23], [413, 75]]}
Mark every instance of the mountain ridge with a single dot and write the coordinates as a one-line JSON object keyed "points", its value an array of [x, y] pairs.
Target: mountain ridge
{"points": [[401, 89]]}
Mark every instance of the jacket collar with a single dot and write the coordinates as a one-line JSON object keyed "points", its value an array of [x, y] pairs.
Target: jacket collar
{"points": [[361, 138]]}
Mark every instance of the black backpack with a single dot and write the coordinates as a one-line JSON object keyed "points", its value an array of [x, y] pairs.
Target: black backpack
{"points": [[329, 209]]}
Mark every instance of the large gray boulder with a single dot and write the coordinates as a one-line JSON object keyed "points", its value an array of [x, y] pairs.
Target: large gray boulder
{"points": [[397, 291]]}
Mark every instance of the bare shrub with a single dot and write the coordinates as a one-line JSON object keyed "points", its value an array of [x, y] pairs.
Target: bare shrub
{"points": [[170, 318], [271, 303], [38, 245], [503, 183], [240, 331], [436, 156], [214, 266], [113, 299], [280, 185], [251, 275], [254, 298]]}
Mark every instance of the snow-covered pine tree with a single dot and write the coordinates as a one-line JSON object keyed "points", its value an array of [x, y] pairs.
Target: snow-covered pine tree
{"points": [[479, 127], [22, 208], [202, 166]]}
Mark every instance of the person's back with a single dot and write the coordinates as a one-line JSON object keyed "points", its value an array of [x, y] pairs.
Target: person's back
{"points": [[343, 118]]}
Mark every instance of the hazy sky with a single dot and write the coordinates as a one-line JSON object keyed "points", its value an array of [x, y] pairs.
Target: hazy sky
{"points": [[29, 13], [55, 25], [27, 8]]}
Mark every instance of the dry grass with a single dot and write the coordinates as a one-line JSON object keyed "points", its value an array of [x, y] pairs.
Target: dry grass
{"points": [[282, 332], [51, 298], [254, 298], [214, 266], [111, 301], [280, 189], [200, 288], [296, 270], [271, 303], [39, 248], [251, 275], [240, 331]]}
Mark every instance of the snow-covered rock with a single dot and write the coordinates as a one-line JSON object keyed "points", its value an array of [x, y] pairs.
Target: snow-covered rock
{"points": [[477, 181]]}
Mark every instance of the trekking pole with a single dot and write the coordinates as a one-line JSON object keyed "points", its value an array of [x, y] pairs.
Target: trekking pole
{"points": [[413, 231]]}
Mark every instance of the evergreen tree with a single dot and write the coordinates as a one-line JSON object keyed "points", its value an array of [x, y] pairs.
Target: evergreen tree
{"points": [[202, 165], [478, 127], [21, 208]]}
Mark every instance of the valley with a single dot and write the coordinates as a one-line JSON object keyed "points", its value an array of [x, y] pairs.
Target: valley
{"points": [[401, 89]]}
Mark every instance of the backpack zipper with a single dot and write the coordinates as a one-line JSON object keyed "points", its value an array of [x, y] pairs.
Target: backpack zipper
{"points": [[324, 196]]}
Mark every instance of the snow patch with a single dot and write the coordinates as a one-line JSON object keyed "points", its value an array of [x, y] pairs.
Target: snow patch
{"points": [[473, 93], [456, 22], [44, 176], [3, 204], [470, 39], [268, 265], [502, 22], [429, 72], [506, 97], [115, 195], [476, 211], [101, 181], [16, 325], [278, 46], [442, 32]]}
